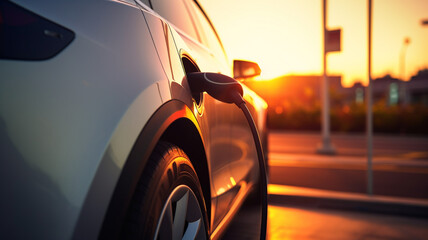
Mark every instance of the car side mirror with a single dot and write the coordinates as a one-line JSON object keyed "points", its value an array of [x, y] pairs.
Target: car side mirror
{"points": [[245, 69]]}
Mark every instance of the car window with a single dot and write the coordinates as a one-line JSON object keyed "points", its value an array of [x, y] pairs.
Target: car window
{"points": [[176, 12], [207, 33]]}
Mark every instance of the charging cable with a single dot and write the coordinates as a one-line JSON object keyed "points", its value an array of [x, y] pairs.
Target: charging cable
{"points": [[228, 90]]}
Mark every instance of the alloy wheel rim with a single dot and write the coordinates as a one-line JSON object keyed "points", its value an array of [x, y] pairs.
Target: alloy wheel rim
{"points": [[181, 217]]}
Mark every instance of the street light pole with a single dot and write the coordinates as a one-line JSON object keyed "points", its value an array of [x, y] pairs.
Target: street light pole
{"points": [[406, 43], [326, 146], [403, 96], [369, 122]]}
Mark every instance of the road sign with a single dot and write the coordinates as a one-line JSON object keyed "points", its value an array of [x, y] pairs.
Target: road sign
{"points": [[332, 40]]}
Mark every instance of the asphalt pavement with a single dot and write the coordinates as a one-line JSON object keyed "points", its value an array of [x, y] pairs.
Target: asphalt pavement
{"points": [[400, 164], [305, 222], [384, 146], [308, 223], [313, 196]]}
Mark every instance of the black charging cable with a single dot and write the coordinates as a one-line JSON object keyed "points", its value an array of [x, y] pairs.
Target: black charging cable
{"points": [[263, 178], [228, 90]]}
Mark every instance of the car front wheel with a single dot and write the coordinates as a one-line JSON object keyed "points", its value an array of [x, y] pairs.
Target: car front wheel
{"points": [[168, 202]]}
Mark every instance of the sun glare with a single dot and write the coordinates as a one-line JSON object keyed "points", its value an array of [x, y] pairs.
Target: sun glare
{"points": [[285, 37]]}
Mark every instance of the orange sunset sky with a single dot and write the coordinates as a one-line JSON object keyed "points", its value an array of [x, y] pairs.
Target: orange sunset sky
{"points": [[285, 36]]}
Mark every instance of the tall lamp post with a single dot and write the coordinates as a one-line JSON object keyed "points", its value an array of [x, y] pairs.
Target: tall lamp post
{"points": [[402, 61], [406, 43], [369, 120], [325, 147]]}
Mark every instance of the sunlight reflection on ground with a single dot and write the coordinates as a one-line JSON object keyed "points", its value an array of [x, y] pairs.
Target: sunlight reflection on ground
{"points": [[299, 223]]}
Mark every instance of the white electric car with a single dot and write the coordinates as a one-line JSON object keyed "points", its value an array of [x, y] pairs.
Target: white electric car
{"points": [[101, 136]]}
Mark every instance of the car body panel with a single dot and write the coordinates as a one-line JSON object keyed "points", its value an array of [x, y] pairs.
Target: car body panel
{"points": [[56, 128]]}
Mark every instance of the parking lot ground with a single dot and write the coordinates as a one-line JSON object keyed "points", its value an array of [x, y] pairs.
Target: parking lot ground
{"points": [[398, 147], [314, 196], [308, 223], [308, 197], [295, 222], [400, 164]]}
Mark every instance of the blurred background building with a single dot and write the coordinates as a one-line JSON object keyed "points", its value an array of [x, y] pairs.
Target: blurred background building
{"points": [[399, 106]]}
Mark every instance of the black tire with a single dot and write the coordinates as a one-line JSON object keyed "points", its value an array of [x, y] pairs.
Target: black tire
{"points": [[168, 188]]}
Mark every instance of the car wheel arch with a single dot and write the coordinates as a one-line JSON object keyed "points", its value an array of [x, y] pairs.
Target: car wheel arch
{"points": [[192, 144], [168, 123]]}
